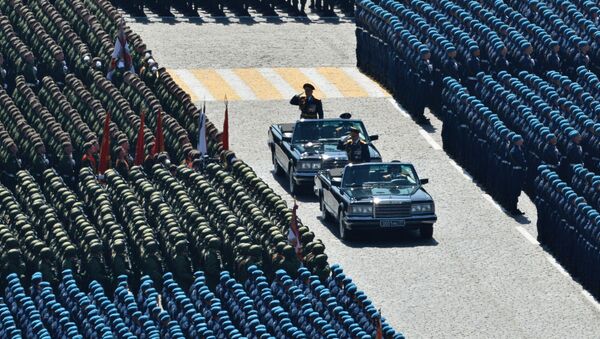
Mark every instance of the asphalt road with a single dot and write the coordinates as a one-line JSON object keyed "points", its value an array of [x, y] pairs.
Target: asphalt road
{"points": [[483, 275]]}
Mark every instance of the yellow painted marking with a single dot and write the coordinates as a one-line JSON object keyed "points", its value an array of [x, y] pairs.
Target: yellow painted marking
{"points": [[263, 89], [345, 84], [216, 85], [182, 84], [296, 79]]}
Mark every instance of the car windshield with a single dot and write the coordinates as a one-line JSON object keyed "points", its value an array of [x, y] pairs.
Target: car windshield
{"points": [[394, 175], [326, 130]]}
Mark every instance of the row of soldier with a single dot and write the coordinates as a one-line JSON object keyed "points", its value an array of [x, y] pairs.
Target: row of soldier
{"points": [[569, 227], [479, 140], [252, 308]]}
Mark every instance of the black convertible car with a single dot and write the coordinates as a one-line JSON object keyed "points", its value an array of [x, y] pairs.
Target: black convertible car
{"points": [[373, 196], [302, 149]]}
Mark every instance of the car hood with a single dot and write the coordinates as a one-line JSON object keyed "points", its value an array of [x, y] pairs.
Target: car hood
{"points": [[386, 194]]}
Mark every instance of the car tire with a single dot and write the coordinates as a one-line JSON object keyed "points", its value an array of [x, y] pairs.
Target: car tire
{"points": [[325, 216], [426, 231], [292, 186], [344, 233], [277, 170]]}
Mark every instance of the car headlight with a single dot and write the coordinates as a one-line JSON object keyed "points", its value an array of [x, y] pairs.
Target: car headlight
{"points": [[309, 165], [361, 209], [422, 208]]}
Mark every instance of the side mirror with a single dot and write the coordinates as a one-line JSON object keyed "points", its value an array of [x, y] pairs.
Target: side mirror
{"points": [[424, 181], [374, 137], [288, 139], [336, 183]]}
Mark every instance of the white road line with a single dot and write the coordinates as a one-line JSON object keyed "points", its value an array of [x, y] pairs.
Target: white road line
{"points": [[491, 200], [429, 139], [238, 85], [527, 236], [591, 299], [365, 82], [460, 170], [278, 82], [322, 83], [557, 265], [194, 84], [396, 106]]}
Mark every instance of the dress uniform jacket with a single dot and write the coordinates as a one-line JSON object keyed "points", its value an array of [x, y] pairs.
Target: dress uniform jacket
{"points": [[311, 108], [358, 152]]}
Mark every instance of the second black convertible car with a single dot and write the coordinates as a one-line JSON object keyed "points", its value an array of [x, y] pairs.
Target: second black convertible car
{"points": [[309, 145], [375, 196]]}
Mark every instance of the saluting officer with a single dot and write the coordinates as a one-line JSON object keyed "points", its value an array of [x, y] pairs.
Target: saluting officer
{"points": [[310, 107], [356, 148]]}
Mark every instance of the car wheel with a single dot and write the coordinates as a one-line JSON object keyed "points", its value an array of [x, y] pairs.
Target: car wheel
{"points": [[325, 216], [426, 231], [293, 187], [277, 170], [343, 231]]}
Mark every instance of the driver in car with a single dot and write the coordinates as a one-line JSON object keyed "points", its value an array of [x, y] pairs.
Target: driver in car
{"points": [[394, 173]]}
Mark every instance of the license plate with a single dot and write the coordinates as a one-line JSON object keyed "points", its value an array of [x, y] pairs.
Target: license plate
{"points": [[392, 223]]}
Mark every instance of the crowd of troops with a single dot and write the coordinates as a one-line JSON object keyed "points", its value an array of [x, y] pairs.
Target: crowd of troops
{"points": [[422, 42], [304, 307]]}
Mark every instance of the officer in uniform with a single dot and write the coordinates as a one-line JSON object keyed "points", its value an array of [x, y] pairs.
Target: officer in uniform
{"points": [[553, 61], [519, 168], [425, 72], [551, 155], [88, 159], [11, 164], [59, 68], [66, 165], [356, 148], [574, 154], [310, 107], [473, 67]]}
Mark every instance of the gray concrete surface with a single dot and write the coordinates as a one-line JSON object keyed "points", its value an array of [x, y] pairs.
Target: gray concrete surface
{"points": [[479, 277]]}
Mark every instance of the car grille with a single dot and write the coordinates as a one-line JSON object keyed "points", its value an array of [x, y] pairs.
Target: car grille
{"points": [[329, 164], [395, 210]]}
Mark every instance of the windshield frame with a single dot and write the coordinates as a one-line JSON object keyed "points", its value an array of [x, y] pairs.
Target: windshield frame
{"points": [[367, 166], [329, 122]]}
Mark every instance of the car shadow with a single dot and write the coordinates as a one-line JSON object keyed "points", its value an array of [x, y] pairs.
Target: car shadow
{"points": [[304, 195], [382, 238]]}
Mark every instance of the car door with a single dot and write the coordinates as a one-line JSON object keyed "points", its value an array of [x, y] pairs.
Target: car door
{"points": [[280, 154], [329, 198]]}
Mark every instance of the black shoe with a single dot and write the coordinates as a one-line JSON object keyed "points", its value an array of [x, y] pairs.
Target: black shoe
{"points": [[516, 212], [422, 120]]}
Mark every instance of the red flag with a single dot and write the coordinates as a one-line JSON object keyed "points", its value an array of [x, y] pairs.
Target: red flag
{"points": [[225, 134], [105, 147], [159, 139], [139, 146], [379, 333], [293, 234]]}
